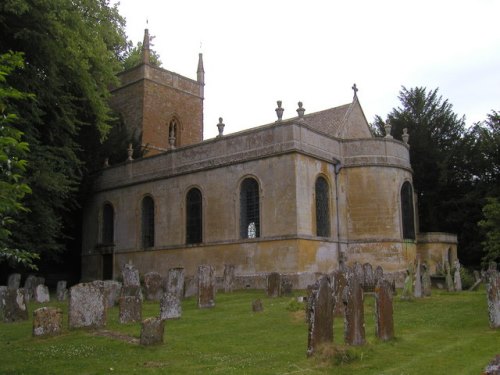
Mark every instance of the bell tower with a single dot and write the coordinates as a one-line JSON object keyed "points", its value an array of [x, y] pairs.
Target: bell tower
{"points": [[162, 110]]}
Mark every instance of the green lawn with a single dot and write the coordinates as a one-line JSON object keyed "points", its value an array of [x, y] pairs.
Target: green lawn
{"points": [[444, 334]]}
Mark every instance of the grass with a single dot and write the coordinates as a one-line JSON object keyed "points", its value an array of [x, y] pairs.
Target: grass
{"points": [[447, 333]]}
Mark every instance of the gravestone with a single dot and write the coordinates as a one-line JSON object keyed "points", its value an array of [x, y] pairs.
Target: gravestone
{"points": [[359, 273], [493, 367], [417, 292], [384, 327], [153, 286], [457, 279], [131, 281], [257, 305], [320, 315], [407, 293], [3, 291], [170, 306], [206, 286], [369, 278], [286, 286], [378, 274], [175, 282], [47, 321], [62, 291], [42, 294], [112, 291], [228, 278], [354, 319], [14, 281], [87, 306], [152, 330], [426, 281], [15, 306], [493, 297], [130, 309], [274, 284], [30, 285], [449, 281], [339, 282]]}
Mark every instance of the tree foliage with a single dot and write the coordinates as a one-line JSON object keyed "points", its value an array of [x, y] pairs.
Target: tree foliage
{"points": [[133, 57], [491, 226], [72, 50]]}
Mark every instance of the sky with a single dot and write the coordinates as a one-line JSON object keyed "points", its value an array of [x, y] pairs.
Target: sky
{"points": [[260, 51]]}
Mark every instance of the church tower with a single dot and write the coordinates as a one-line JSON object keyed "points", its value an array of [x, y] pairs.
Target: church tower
{"points": [[161, 110]]}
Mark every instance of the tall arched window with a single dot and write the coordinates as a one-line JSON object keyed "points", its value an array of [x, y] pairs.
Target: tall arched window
{"points": [[108, 224], [148, 222], [249, 209], [322, 208], [194, 217], [173, 136], [407, 211]]}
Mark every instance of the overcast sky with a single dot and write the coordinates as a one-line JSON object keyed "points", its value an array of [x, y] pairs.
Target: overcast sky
{"points": [[259, 51]]}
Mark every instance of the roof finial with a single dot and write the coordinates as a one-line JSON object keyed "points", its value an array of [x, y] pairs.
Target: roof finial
{"points": [[355, 89], [145, 47]]}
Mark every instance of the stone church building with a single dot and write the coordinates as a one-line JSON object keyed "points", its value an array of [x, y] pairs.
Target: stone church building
{"points": [[297, 196]]}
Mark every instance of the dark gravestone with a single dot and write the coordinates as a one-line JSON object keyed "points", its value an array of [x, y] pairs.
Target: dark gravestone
{"points": [[426, 281], [42, 294], [378, 274], [170, 306], [339, 282], [14, 281], [359, 273], [493, 297], [130, 309], [354, 320], [274, 284], [175, 282], [87, 306], [15, 305], [369, 278], [320, 315], [153, 286], [257, 306], [384, 327], [286, 286], [62, 291], [228, 278], [206, 286], [47, 321], [152, 330]]}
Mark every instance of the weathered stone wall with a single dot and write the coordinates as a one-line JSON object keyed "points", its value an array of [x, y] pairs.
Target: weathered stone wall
{"points": [[436, 248]]}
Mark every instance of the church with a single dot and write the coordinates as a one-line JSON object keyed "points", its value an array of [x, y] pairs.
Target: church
{"points": [[299, 196]]}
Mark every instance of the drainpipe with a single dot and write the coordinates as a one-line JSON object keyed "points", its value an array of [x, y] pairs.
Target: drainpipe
{"points": [[338, 167]]}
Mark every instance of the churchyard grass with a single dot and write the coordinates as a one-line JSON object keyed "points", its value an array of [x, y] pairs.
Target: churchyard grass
{"points": [[447, 333]]}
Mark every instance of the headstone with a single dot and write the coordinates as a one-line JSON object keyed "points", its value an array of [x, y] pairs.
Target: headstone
{"points": [[15, 307], [354, 319], [257, 305], [369, 278], [30, 285], [112, 291], [493, 295], [130, 309], [152, 330], [42, 294], [3, 292], [153, 286], [378, 274], [426, 281], [407, 293], [170, 306], [384, 327], [286, 286], [449, 281], [417, 292], [47, 321], [274, 284], [477, 276], [457, 279], [14, 281], [87, 306], [320, 315], [359, 273], [228, 278], [175, 282], [131, 281], [339, 282], [62, 291], [493, 367], [206, 286]]}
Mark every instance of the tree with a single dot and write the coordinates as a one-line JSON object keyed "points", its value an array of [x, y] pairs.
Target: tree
{"points": [[12, 163], [134, 57], [491, 226], [72, 50]]}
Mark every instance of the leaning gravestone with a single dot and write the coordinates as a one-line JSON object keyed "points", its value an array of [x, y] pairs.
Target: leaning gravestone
{"points": [[320, 315], [384, 327], [369, 278], [175, 282], [130, 309], [354, 320], [417, 292], [170, 306], [87, 306], [131, 281], [493, 295], [152, 330], [426, 281], [15, 305], [206, 286], [14, 281], [274, 284], [153, 286], [228, 278], [47, 321], [42, 294], [62, 291]]}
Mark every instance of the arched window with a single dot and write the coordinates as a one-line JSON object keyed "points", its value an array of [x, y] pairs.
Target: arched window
{"points": [[194, 217], [108, 224], [322, 208], [148, 222], [173, 136], [249, 209], [407, 211]]}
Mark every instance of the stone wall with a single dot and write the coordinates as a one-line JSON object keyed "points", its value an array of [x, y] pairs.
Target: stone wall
{"points": [[436, 248]]}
